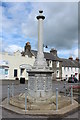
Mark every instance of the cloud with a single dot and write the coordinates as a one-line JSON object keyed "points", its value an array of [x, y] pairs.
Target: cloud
{"points": [[40, 0], [13, 48], [14, 14], [60, 26], [0, 19], [67, 53], [75, 52], [63, 26]]}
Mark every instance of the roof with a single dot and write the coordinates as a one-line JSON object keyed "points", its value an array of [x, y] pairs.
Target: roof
{"points": [[70, 63], [50, 56], [47, 56]]}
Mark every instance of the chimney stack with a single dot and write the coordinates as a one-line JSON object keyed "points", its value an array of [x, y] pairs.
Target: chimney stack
{"points": [[77, 59], [53, 51], [27, 47], [70, 58]]}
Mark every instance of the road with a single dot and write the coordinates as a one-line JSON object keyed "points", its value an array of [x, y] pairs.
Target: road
{"points": [[21, 89]]}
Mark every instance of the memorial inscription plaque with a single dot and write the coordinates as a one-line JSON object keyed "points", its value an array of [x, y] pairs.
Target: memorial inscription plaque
{"points": [[31, 85], [40, 83], [48, 83]]}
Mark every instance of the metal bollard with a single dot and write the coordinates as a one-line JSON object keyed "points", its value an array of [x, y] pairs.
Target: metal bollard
{"points": [[56, 98], [8, 94], [72, 94], [25, 99], [12, 89], [65, 88]]}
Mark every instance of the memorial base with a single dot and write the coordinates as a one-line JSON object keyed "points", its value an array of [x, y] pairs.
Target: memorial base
{"points": [[40, 85], [48, 104]]}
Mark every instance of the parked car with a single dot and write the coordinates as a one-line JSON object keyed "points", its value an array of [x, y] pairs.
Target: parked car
{"points": [[75, 79], [72, 80]]}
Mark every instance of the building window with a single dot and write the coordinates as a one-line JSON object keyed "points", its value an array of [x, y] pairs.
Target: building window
{"points": [[76, 69], [6, 71], [15, 72], [7, 63], [22, 70], [2, 71], [68, 68], [71, 68], [57, 73], [50, 61], [57, 63], [50, 64]]}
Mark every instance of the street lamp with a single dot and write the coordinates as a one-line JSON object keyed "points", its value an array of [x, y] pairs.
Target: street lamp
{"points": [[45, 46]]}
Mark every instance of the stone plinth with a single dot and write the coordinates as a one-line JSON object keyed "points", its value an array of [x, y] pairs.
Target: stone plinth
{"points": [[40, 85]]}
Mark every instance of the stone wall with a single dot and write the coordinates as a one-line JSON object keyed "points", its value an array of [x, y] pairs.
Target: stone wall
{"points": [[54, 69]]}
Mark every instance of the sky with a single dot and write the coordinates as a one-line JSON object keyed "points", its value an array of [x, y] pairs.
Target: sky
{"points": [[19, 25]]}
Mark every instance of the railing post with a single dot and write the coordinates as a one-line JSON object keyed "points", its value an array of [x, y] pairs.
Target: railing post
{"points": [[72, 94], [12, 89], [65, 88], [56, 98], [8, 94], [25, 99]]}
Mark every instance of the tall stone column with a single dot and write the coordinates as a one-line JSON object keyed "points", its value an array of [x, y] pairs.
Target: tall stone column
{"points": [[40, 33], [40, 61]]}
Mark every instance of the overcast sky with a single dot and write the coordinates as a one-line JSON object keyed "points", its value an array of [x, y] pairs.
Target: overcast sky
{"points": [[19, 25]]}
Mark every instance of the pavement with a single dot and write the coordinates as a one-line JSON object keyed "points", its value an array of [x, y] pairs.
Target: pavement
{"points": [[21, 88]]}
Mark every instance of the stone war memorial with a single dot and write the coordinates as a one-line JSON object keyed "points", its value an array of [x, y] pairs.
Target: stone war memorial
{"points": [[40, 76], [39, 97]]}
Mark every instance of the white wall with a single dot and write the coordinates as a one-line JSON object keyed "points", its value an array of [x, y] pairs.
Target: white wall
{"points": [[68, 71], [15, 61]]}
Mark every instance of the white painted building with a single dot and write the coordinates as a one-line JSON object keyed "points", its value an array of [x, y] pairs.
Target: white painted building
{"points": [[70, 67], [4, 69], [68, 71], [15, 65]]}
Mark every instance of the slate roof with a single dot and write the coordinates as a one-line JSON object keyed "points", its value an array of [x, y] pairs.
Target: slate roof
{"points": [[47, 56], [70, 63], [50, 56]]}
